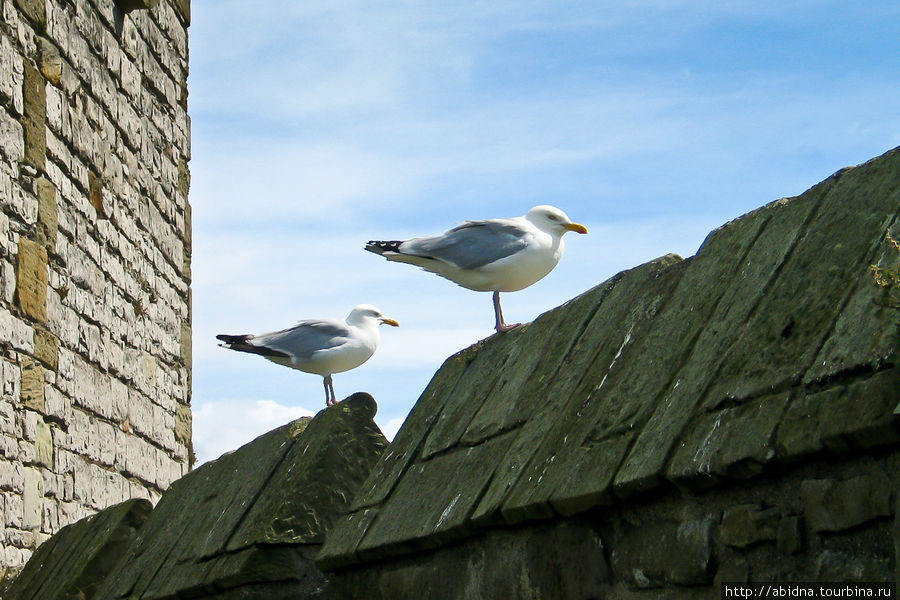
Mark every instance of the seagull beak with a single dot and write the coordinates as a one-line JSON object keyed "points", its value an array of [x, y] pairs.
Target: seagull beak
{"points": [[576, 227], [390, 322]]}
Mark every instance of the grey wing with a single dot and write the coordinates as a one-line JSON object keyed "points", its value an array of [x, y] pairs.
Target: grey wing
{"points": [[305, 338], [470, 245]]}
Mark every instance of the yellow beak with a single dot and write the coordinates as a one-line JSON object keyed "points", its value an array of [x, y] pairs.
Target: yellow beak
{"points": [[390, 322], [576, 227]]}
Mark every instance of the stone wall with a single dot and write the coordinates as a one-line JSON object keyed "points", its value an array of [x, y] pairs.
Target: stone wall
{"points": [[94, 260]]}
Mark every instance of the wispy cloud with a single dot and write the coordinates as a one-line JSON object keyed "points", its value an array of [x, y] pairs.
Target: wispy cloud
{"points": [[320, 125]]}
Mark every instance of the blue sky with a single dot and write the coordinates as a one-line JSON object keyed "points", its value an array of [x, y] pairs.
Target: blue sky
{"points": [[320, 125]]}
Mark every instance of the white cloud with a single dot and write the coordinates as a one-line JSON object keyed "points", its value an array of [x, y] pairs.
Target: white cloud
{"points": [[318, 126], [391, 428], [225, 424]]}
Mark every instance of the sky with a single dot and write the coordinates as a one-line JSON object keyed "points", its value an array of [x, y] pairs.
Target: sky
{"points": [[320, 125]]}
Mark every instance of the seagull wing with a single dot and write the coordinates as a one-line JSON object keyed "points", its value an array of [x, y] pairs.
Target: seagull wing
{"points": [[305, 338], [472, 244]]}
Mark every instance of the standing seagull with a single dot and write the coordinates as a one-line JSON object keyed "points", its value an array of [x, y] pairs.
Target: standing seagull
{"points": [[321, 346], [495, 255]]}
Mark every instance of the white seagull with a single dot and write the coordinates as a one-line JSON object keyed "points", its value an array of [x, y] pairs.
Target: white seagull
{"points": [[321, 346], [494, 255]]}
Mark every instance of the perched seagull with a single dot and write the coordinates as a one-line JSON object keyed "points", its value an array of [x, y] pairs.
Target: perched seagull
{"points": [[495, 255], [321, 346]]}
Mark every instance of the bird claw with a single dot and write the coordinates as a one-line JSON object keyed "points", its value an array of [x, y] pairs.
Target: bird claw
{"points": [[506, 327]]}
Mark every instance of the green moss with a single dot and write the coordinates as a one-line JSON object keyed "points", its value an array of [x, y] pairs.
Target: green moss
{"points": [[888, 279]]}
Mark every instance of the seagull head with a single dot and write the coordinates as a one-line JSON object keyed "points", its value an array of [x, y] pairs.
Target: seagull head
{"points": [[553, 220], [366, 313]]}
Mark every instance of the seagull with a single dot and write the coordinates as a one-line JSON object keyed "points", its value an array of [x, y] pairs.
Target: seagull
{"points": [[321, 346], [494, 255]]}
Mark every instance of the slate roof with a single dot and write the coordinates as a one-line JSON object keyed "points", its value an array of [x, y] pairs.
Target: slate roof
{"points": [[765, 347]]}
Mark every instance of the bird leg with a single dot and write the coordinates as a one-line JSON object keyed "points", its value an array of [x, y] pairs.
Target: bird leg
{"points": [[501, 325], [330, 399]]}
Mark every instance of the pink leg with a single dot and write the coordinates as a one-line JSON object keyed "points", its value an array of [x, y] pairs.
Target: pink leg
{"points": [[501, 325], [330, 399]]}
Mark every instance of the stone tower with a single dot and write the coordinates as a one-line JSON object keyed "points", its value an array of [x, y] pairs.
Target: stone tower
{"points": [[95, 344]]}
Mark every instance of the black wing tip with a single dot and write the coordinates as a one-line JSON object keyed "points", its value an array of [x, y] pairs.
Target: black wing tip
{"points": [[380, 247], [239, 343]]}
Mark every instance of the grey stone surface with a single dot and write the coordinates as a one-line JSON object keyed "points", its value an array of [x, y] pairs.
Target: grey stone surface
{"points": [[74, 562], [746, 524], [833, 505], [255, 517], [661, 552]]}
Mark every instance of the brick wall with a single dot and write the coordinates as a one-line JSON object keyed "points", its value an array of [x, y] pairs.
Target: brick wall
{"points": [[95, 349]]}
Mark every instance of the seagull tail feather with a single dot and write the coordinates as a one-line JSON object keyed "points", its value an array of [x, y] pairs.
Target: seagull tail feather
{"points": [[380, 247]]}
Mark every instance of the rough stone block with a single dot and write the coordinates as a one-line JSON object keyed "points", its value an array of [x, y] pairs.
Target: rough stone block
{"points": [[46, 348], [789, 538], [50, 61], [411, 516], [833, 505], [48, 224], [35, 11], [31, 279], [664, 552], [183, 424], [35, 118], [32, 495], [857, 415], [748, 524], [733, 442], [32, 394], [43, 445], [72, 563]]}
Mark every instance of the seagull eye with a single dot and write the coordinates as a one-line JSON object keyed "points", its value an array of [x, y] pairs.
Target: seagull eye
{"points": [[553, 217]]}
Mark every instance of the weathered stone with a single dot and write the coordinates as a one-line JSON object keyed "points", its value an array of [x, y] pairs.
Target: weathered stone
{"points": [[409, 516], [790, 535], [47, 213], [385, 474], [34, 120], [535, 562], [46, 348], [748, 524], [50, 61], [43, 445], [733, 442], [186, 344], [256, 516], [833, 505], [95, 194], [31, 279], [32, 394], [858, 415], [184, 10], [32, 499], [796, 314], [695, 329], [35, 11], [664, 552], [130, 5], [850, 567], [183, 424], [586, 427], [72, 563]]}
